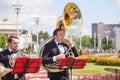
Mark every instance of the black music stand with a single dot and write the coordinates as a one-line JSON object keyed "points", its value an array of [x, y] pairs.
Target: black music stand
{"points": [[27, 65], [72, 63]]}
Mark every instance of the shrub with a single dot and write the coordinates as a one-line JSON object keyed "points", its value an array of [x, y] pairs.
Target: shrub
{"points": [[103, 59], [108, 61]]}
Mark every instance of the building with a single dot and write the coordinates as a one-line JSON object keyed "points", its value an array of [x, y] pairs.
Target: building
{"points": [[25, 41], [7, 27], [10, 28], [102, 30]]}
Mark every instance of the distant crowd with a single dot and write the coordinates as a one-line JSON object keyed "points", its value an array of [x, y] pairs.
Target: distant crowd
{"points": [[89, 50]]}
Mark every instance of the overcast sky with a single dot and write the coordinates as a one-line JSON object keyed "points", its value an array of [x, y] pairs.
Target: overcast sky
{"points": [[93, 11]]}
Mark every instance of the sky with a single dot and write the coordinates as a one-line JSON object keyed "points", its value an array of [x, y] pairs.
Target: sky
{"points": [[93, 11]]}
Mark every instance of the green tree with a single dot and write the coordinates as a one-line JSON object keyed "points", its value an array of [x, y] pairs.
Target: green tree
{"points": [[3, 41], [109, 45], [86, 41], [23, 31], [92, 42], [34, 37], [41, 34]]}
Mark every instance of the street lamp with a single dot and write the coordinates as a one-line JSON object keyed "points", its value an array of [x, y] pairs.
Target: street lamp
{"points": [[37, 23], [17, 7]]}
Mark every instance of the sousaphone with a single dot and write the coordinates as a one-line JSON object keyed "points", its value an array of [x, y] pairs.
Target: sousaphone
{"points": [[70, 23]]}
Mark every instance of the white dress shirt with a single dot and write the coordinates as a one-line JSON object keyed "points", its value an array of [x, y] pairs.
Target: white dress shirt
{"points": [[61, 49]]}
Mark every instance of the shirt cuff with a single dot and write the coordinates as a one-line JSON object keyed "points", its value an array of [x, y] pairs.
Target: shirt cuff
{"points": [[54, 58], [72, 45]]}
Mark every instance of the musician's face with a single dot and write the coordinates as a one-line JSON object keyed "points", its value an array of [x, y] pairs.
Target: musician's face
{"points": [[59, 36], [14, 44]]}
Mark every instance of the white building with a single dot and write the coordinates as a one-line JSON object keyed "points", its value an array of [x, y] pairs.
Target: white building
{"points": [[25, 40], [10, 28], [117, 38], [7, 27]]}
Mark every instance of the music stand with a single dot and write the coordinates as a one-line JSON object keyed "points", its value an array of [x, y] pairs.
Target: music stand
{"points": [[72, 63], [27, 65]]}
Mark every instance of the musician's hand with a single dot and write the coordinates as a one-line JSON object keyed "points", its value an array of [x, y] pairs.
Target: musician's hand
{"points": [[60, 56], [26, 55], [67, 41]]}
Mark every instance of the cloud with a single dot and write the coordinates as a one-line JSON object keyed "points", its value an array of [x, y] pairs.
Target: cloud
{"points": [[86, 31], [118, 4], [37, 8], [4, 3], [4, 8], [31, 9]]}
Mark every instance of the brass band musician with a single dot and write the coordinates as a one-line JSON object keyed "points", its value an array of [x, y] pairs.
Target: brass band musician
{"points": [[13, 44], [56, 49]]}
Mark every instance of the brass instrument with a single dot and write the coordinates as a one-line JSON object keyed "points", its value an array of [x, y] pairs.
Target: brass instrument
{"points": [[70, 23], [12, 57], [3, 70]]}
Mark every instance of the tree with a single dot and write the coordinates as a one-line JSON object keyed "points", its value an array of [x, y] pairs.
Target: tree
{"points": [[3, 41], [41, 35], [76, 41], [86, 41], [23, 31], [109, 45], [92, 42], [34, 37]]}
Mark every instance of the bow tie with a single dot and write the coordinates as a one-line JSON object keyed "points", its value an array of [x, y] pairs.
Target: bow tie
{"points": [[60, 43]]}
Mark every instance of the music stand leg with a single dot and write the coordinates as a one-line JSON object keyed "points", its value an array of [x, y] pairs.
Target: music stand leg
{"points": [[71, 73], [116, 73]]}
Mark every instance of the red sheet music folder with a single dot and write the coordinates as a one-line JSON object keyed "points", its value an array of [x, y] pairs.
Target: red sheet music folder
{"points": [[27, 65], [73, 63]]}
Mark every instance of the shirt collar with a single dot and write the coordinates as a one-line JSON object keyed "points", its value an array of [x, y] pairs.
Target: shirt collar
{"points": [[56, 42], [10, 49]]}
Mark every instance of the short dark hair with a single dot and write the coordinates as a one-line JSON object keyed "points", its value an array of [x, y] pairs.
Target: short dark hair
{"points": [[56, 30], [11, 37]]}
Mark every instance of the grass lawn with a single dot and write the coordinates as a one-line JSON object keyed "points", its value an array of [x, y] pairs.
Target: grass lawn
{"points": [[91, 68]]}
